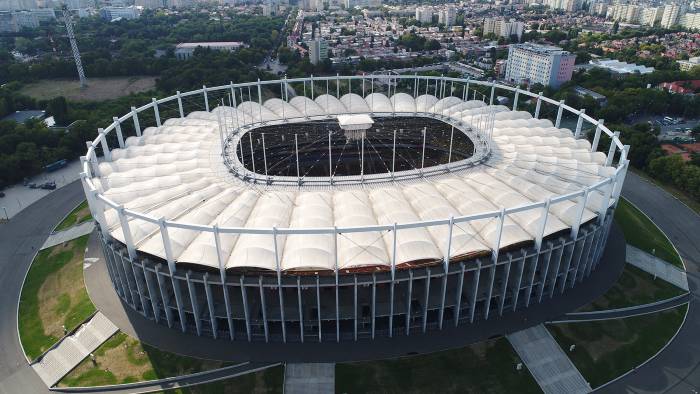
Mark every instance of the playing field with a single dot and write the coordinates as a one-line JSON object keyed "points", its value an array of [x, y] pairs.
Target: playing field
{"points": [[97, 89]]}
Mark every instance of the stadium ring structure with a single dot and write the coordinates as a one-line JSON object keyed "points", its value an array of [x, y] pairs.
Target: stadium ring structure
{"points": [[361, 207]]}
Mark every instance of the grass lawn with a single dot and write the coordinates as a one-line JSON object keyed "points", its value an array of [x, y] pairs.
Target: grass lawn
{"points": [[80, 214], [642, 233], [97, 89], [635, 287], [123, 359], [486, 367], [607, 349], [267, 381], [53, 296]]}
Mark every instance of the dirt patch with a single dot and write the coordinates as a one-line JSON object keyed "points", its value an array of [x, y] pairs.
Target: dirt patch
{"points": [[96, 90]]}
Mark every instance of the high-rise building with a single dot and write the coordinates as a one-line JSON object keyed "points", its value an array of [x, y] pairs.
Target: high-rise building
{"points": [[502, 28], [651, 15], [532, 63], [447, 16], [690, 21], [670, 16], [687, 65], [150, 4], [112, 13], [318, 51], [424, 14]]}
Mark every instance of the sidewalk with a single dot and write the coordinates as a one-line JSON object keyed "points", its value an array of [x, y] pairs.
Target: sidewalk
{"points": [[68, 234], [73, 349], [547, 362], [657, 267], [306, 378]]}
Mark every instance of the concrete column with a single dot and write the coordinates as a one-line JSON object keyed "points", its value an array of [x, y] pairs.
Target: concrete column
{"points": [[179, 104], [245, 309], [105, 146], [107, 251], [301, 310], [355, 309], [172, 270], [578, 254], [493, 91], [194, 303], [531, 281], [118, 275], [263, 307], [519, 280], [515, 99], [118, 129], [543, 278], [504, 289], [579, 123], [210, 304], [222, 275], [408, 302], [475, 291], [567, 256], [558, 256], [206, 98], [560, 111], [318, 308], [164, 296], [152, 294], [426, 298], [538, 105], [443, 291], [135, 117], [489, 292], [129, 276], [391, 308], [374, 304], [596, 137], [156, 113], [458, 301], [611, 149]]}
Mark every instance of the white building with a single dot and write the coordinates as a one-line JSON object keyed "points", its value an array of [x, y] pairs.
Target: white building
{"points": [[112, 13], [318, 51], [618, 67], [150, 4], [687, 65], [424, 14], [629, 13], [447, 16], [690, 21], [25, 19], [186, 49], [503, 28], [670, 15], [651, 15], [546, 65]]}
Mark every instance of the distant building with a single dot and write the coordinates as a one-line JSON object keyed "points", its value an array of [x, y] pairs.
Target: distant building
{"points": [[112, 13], [618, 67], [499, 68], [671, 14], [687, 65], [447, 16], [150, 4], [26, 19], [186, 49], [690, 21], [599, 98], [502, 28], [424, 14], [7, 23], [682, 87], [44, 14], [532, 63], [651, 15], [318, 51]]}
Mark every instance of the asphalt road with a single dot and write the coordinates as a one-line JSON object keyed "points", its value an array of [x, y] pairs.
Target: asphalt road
{"points": [[676, 369], [20, 238]]}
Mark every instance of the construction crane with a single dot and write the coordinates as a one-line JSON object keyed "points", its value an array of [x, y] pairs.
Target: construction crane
{"points": [[74, 47]]}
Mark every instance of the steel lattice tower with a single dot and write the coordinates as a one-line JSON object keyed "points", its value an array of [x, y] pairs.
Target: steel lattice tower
{"points": [[74, 48]]}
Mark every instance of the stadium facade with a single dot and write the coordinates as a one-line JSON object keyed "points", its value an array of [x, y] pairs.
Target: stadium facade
{"points": [[370, 213]]}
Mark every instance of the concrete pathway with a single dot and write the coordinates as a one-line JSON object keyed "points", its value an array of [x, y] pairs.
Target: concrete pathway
{"points": [[73, 349], [307, 378], [69, 234], [547, 362], [657, 267]]}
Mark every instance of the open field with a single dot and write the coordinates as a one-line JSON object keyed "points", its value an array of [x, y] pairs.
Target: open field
{"points": [[485, 367], [123, 359], [607, 349], [642, 233], [53, 296], [97, 89], [634, 287], [80, 214]]}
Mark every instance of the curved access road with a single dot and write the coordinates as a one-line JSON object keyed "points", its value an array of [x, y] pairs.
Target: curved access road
{"points": [[677, 368], [20, 239]]}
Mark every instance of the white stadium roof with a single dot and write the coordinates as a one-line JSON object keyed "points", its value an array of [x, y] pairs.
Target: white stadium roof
{"points": [[176, 172]]}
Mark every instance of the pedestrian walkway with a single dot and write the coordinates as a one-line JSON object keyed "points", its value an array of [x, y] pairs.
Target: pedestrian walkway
{"points": [[657, 267], [69, 234], [317, 378], [73, 349], [549, 365]]}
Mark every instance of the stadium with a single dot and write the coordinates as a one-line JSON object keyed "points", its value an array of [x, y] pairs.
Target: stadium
{"points": [[349, 207]]}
